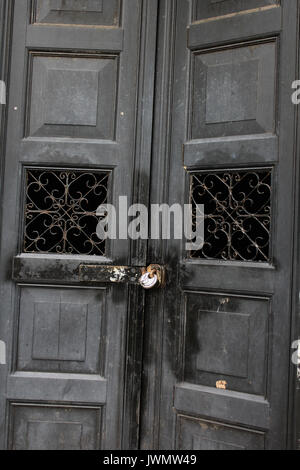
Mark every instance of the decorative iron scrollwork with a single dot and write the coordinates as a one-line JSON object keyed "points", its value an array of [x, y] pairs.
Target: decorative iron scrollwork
{"points": [[60, 211], [237, 221]]}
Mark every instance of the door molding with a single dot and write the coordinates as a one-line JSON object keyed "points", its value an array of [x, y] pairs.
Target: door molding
{"points": [[6, 17], [294, 395]]}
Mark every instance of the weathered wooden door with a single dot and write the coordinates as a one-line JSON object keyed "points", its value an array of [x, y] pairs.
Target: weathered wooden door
{"points": [[222, 345], [72, 145], [203, 363]]}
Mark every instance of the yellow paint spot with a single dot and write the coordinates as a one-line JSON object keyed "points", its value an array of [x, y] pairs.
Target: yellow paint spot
{"points": [[221, 384]]}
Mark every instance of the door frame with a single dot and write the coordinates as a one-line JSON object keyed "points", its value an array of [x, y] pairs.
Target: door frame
{"points": [[6, 21], [139, 248], [6, 17], [294, 385], [154, 313]]}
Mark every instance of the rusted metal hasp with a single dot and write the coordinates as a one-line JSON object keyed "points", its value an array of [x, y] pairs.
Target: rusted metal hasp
{"points": [[123, 274], [75, 270]]}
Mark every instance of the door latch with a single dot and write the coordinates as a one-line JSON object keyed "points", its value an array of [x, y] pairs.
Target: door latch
{"points": [[148, 278]]}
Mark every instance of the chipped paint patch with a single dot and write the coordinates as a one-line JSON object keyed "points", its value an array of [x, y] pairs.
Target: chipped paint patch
{"points": [[221, 384], [118, 275]]}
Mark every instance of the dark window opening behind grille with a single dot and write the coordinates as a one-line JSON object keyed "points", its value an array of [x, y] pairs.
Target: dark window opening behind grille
{"points": [[60, 211], [237, 207]]}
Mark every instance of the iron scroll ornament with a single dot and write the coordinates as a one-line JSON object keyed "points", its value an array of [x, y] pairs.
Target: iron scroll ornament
{"points": [[237, 220], [60, 211]]}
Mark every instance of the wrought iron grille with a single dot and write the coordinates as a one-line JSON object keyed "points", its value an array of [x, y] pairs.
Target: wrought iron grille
{"points": [[237, 220], [60, 211]]}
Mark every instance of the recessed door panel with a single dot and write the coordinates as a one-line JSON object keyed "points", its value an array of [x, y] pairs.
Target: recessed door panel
{"points": [[204, 435], [226, 340]]}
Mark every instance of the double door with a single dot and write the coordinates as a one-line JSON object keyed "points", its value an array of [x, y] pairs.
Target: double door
{"points": [[164, 102]]}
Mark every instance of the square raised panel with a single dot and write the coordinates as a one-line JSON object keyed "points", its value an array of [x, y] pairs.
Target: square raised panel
{"points": [[41, 427], [234, 92], [226, 339], [73, 12], [198, 434], [216, 8], [220, 353], [72, 96], [61, 330], [71, 109]]}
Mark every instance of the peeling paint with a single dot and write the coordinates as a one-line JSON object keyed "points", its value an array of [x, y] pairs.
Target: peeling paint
{"points": [[118, 275]]}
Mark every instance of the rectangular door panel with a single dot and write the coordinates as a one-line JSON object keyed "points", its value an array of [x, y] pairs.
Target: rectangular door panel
{"points": [[234, 91]]}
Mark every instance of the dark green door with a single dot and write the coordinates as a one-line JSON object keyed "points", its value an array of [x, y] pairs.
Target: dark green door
{"points": [[170, 101]]}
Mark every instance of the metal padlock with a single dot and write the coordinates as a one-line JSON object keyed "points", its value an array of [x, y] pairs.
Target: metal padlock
{"points": [[148, 282]]}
